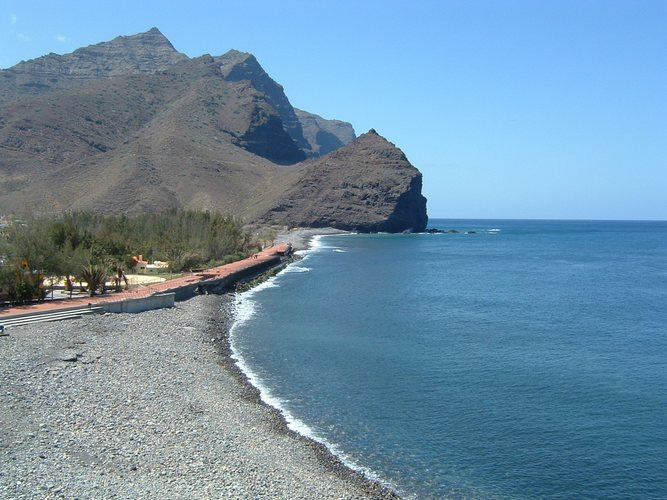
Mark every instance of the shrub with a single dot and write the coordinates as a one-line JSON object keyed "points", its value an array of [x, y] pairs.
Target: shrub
{"points": [[95, 278]]}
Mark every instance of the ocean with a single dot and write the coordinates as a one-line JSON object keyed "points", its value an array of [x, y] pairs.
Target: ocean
{"points": [[508, 359]]}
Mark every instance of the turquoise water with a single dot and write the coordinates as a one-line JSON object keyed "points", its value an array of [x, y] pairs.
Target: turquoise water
{"points": [[527, 359]]}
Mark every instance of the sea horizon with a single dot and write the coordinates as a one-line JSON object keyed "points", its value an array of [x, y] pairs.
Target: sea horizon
{"points": [[538, 219]]}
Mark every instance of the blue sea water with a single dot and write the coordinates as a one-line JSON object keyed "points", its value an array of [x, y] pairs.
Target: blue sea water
{"points": [[513, 359]]}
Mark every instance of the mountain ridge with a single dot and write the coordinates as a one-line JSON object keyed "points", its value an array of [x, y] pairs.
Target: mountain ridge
{"points": [[134, 125], [147, 52]]}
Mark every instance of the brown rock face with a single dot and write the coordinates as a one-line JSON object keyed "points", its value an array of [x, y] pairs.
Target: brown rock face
{"points": [[323, 136], [366, 186], [132, 125], [238, 66], [124, 55]]}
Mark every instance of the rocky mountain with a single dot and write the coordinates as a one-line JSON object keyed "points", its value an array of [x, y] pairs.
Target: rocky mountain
{"points": [[368, 186], [238, 66], [133, 125], [324, 136], [124, 55]]}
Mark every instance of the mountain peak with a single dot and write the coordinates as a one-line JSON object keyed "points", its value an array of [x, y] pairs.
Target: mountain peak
{"points": [[372, 145], [153, 32], [164, 130], [236, 65], [140, 53], [234, 54], [376, 140], [146, 52], [153, 37]]}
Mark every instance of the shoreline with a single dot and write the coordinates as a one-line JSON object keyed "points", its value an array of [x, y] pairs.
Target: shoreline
{"points": [[151, 405], [301, 238], [370, 487], [302, 241]]}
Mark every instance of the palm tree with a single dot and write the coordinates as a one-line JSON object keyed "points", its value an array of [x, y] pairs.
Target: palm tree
{"points": [[119, 265], [95, 276]]}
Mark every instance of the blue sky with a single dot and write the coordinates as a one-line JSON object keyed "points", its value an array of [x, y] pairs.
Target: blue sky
{"points": [[511, 109]]}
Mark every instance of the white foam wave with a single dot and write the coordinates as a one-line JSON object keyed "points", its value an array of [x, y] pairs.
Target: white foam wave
{"points": [[243, 310], [319, 243], [494, 230], [295, 269], [316, 242], [244, 306], [314, 245], [270, 283]]}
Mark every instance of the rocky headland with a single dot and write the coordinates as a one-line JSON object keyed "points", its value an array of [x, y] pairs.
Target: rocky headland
{"points": [[347, 190]]}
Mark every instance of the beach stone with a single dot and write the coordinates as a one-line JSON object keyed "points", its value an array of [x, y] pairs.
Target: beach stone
{"points": [[69, 356]]}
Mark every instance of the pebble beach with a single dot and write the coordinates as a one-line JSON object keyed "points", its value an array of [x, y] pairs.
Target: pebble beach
{"points": [[149, 405]]}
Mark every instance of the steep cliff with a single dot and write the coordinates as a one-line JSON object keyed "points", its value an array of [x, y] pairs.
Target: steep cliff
{"points": [[368, 185], [237, 66], [324, 136]]}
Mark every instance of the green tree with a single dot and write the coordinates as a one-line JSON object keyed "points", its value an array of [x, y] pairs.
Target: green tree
{"points": [[21, 285]]}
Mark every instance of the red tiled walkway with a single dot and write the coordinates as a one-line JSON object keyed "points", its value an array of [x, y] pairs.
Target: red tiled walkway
{"points": [[217, 272]]}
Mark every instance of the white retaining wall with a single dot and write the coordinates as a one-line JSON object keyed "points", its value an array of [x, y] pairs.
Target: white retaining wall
{"points": [[157, 301]]}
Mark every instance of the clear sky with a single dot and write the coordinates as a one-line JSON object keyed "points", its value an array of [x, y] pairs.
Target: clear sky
{"points": [[510, 108]]}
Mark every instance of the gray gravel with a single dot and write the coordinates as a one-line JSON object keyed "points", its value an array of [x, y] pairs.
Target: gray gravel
{"points": [[148, 406]]}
